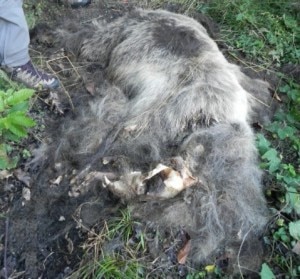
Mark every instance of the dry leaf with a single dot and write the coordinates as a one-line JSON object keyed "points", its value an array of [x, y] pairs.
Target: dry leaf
{"points": [[184, 252], [23, 177], [90, 87], [54, 102], [61, 219], [4, 174], [26, 194], [210, 268], [296, 248], [70, 245], [276, 96], [56, 181]]}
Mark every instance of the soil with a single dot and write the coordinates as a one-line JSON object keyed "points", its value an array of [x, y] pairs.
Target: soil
{"points": [[42, 227], [42, 235]]}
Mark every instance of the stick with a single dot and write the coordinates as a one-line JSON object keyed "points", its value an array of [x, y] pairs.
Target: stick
{"points": [[5, 248]]}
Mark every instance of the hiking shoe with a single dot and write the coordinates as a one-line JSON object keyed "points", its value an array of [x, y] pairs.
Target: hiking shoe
{"points": [[79, 3], [33, 78]]}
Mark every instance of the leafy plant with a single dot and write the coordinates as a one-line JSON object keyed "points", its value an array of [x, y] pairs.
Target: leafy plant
{"points": [[266, 272], [13, 122], [34, 11]]}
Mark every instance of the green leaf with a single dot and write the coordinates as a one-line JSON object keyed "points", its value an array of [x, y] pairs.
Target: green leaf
{"points": [[294, 229], [285, 132], [23, 106], [5, 161], [293, 199], [272, 157], [1, 104], [17, 130], [21, 120], [19, 96], [14, 128], [9, 136], [262, 143], [266, 272]]}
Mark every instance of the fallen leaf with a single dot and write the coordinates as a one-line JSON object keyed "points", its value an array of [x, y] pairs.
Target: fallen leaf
{"points": [[26, 194], [23, 177], [4, 174], [54, 102], [61, 219], [90, 87], [70, 245], [184, 252], [210, 268], [296, 248], [276, 96], [56, 181]]}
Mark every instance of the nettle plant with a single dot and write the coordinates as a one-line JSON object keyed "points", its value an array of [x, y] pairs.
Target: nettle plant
{"points": [[283, 171], [14, 122]]}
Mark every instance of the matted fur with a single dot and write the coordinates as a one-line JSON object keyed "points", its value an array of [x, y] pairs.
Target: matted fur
{"points": [[172, 92]]}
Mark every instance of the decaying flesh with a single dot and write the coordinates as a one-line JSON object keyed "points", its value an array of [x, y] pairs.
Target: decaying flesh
{"points": [[162, 182]]}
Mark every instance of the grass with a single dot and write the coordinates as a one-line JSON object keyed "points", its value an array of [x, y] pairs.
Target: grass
{"points": [[266, 32], [119, 262]]}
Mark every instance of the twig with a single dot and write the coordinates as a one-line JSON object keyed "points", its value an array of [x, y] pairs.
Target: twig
{"points": [[240, 249], [260, 101], [44, 262], [63, 87], [5, 248]]}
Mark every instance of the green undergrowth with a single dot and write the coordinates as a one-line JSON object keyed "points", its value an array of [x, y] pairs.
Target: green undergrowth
{"points": [[279, 147], [265, 31], [14, 121], [102, 260], [267, 34]]}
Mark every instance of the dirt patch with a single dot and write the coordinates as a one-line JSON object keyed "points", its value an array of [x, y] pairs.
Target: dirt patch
{"points": [[43, 235]]}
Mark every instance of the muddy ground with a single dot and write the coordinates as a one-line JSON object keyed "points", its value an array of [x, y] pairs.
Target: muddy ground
{"points": [[43, 226]]}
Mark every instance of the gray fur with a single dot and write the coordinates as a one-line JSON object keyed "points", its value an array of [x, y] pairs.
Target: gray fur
{"points": [[166, 101]]}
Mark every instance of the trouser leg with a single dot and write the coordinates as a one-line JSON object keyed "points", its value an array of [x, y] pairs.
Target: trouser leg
{"points": [[14, 34]]}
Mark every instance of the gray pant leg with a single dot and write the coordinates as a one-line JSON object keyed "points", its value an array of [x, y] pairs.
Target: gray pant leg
{"points": [[14, 34]]}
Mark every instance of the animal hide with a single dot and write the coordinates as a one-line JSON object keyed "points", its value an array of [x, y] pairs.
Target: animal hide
{"points": [[169, 91]]}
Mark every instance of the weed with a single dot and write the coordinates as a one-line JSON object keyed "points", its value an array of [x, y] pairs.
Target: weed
{"points": [[268, 33], [13, 123], [280, 156], [122, 225], [104, 263], [33, 12]]}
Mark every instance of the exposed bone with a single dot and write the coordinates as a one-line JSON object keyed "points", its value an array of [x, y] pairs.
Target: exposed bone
{"points": [[136, 184]]}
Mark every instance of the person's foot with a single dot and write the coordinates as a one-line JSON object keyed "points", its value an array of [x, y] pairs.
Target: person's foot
{"points": [[33, 77], [79, 3]]}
